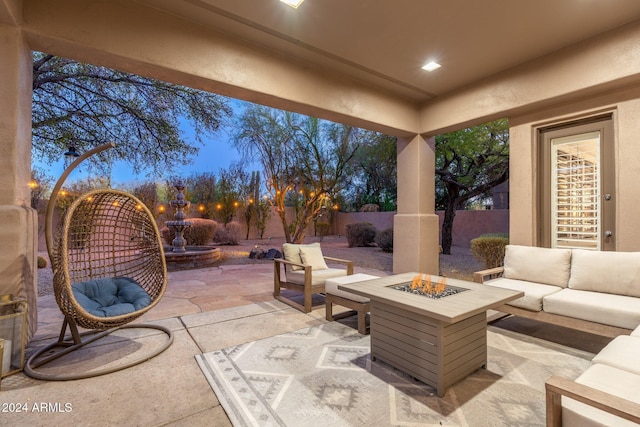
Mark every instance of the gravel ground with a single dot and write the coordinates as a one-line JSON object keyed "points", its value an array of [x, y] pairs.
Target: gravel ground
{"points": [[460, 264]]}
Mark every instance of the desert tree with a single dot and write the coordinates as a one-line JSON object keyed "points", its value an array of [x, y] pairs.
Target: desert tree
{"points": [[84, 105], [374, 177], [231, 193], [304, 161], [469, 163], [201, 192]]}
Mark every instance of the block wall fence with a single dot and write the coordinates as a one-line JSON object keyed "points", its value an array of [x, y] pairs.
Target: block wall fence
{"points": [[467, 225]]}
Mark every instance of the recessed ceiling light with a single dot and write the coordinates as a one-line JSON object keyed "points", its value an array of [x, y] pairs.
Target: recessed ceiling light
{"points": [[293, 3], [431, 66]]}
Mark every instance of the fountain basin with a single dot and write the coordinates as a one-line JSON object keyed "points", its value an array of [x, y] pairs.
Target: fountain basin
{"points": [[194, 257]]}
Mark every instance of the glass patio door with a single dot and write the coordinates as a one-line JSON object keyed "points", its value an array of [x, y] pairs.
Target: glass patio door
{"points": [[578, 199]]}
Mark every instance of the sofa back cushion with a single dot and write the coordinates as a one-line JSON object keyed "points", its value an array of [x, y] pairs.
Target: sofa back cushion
{"points": [[540, 265], [604, 271]]}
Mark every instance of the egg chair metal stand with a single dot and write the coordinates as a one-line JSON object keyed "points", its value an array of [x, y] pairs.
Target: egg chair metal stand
{"points": [[108, 270]]}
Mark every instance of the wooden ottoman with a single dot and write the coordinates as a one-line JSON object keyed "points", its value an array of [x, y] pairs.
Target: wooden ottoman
{"points": [[357, 303]]}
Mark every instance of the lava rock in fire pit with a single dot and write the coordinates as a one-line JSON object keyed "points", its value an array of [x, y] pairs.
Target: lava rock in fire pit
{"points": [[446, 291]]}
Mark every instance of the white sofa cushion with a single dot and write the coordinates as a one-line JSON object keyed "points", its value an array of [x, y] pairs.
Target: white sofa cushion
{"points": [[540, 265], [318, 277], [622, 353], [313, 256], [636, 332], [608, 272], [533, 292], [610, 380], [609, 309], [291, 252]]}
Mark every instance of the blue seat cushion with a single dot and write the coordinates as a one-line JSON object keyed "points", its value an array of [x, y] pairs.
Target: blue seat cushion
{"points": [[111, 296]]}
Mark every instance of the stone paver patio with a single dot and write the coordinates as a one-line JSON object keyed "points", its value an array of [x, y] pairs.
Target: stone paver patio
{"points": [[207, 309]]}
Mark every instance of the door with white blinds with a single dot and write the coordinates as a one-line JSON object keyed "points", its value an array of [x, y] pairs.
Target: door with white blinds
{"points": [[575, 191], [577, 208]]}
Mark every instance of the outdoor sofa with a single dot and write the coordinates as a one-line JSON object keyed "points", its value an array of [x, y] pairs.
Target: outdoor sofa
{"points": [[606, 394], [593, 291]]}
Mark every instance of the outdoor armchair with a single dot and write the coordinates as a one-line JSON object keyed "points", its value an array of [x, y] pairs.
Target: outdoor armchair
{"points": [[305, 271]]}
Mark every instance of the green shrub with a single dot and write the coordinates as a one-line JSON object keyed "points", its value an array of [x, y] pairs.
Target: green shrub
{"points": [[42, 262], [229, 234], [322, 229], [489, 249], [200, 233], [360, 234], [384, 240]]}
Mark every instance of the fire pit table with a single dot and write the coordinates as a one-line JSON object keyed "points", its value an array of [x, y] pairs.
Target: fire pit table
{"points": [[435, 332]]}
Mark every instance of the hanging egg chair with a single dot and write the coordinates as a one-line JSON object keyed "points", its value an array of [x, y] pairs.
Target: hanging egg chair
{"points": [[108, 270]]}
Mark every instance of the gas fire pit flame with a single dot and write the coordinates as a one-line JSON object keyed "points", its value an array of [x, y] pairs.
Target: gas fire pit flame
{"points": [[422, 284]]}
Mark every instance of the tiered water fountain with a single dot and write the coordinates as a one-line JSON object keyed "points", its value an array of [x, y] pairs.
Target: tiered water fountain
{"points": [[179, 256]]}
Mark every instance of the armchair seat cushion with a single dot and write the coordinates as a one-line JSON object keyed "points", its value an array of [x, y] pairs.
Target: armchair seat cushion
{"points": [[110, 297], [317, 278]]}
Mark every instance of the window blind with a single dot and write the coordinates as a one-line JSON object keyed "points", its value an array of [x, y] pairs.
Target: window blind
{"points": [[575, 192]]}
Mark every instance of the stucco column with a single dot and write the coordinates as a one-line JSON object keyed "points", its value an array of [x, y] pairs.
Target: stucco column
{"points": [[415, 235], [18, 222]]}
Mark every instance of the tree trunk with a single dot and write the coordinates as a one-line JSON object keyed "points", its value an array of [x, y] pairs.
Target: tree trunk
{"points": [[447, 227], [285, 226]]}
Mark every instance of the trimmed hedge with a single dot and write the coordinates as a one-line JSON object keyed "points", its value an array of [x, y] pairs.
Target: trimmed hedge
{"points": [[229, 234], [489, 249], [360, 234], [42, 262], [200, 233], [322, 229], [384, 240]]}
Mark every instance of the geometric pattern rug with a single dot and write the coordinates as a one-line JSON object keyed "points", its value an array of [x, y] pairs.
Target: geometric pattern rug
{"points": [[323, 376]]}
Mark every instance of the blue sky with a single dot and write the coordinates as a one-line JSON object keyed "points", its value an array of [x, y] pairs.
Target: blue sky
{"points": [[217, 153]]}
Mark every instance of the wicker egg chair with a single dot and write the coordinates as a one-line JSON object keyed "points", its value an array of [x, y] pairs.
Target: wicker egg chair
{"points": [[109, 269]]}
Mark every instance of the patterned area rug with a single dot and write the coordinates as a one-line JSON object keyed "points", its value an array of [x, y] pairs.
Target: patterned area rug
{"points": [[323, 376]]}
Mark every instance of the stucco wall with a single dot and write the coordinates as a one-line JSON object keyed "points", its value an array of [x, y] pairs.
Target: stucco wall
{"points": [[624, 105], [468, 225], [380, 220]]}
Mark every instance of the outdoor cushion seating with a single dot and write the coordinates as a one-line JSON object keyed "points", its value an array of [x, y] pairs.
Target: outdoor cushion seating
{"points": [[592, 291], [606, 394], [110, 296], [109, 270], [361, 305], [305, 271]]}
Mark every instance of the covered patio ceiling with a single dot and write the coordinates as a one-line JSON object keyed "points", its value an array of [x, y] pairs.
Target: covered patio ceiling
{"points": [[384, 43]]}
